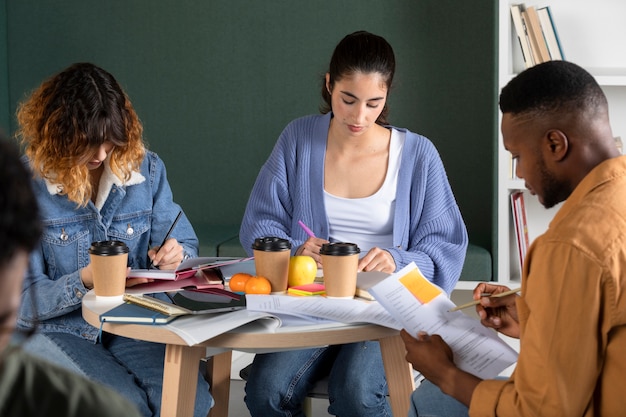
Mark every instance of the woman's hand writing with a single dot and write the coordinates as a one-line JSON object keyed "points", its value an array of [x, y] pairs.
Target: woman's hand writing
{"points": [[311, 247], [168, 256], [377, 260]]}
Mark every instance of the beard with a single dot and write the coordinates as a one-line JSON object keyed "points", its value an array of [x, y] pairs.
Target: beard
{"points": [[553, 191]]}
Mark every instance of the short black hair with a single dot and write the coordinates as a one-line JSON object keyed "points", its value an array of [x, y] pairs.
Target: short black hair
{"points": [[553, 86], [20, 226]]}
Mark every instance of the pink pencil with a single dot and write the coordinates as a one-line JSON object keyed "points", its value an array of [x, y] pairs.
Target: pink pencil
{"points": [[306, 229]]}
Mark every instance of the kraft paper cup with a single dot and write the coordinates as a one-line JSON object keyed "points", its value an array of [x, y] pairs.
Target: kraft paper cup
{"points": [[271, 260], [340, 261], [109, 260]]}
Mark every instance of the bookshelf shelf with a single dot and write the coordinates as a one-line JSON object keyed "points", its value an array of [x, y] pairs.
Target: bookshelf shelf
{"points": [[591, 34]]}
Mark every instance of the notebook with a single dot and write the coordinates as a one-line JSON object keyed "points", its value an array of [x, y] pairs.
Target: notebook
{"points": [[134, 313]]}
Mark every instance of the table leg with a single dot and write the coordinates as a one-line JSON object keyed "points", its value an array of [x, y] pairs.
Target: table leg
{"points": [[399, 374], [218, 375], [180, 380]]}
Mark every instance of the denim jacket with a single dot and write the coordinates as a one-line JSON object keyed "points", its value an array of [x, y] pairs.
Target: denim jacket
{"points": [[138, 212]]}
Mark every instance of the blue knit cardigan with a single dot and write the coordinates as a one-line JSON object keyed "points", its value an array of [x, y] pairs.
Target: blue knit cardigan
{"points": [[427, 229]]}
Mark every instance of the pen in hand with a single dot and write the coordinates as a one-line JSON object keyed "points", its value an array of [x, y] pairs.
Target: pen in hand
{"points": [[167, 236], [476, 302], [306, 229]]}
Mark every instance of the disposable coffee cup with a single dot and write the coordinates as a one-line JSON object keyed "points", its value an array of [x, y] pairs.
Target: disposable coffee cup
{"points": [[340, 262], [109, 260], [271, 260]]}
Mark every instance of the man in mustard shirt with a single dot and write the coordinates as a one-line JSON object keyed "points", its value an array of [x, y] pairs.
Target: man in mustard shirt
{"points": [[571, 315]]}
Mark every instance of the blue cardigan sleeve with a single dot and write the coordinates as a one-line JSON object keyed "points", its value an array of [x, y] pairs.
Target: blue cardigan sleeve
{"points": [[428, 226]]}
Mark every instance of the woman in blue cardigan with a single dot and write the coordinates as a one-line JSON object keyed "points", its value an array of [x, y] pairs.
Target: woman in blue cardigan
{"points": [[351, 177]]}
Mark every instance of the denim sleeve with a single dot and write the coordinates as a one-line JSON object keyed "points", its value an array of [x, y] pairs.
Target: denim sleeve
{"points": [[164, 211], [43, 297]]}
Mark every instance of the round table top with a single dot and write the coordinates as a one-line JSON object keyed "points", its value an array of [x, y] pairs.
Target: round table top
{"points": [[253, 339]]}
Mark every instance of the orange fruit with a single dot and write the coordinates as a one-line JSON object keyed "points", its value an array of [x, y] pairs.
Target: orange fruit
{"points": [[238, 281], [258, 285]]}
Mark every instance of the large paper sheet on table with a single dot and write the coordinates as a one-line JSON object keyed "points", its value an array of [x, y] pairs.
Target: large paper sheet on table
{"points": [[349, 311], [422, 306]]}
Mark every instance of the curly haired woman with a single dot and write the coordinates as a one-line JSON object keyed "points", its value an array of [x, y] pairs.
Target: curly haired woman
{"points": [[95, 180]]}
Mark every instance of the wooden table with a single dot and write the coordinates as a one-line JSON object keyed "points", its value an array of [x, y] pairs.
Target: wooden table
{"points": [[181, 360]]}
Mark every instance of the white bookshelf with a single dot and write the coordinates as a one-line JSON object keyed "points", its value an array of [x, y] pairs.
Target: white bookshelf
{"points": [[592, 35]]}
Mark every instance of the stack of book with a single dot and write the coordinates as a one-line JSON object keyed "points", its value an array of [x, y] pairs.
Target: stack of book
{"points": [[537, 34]]}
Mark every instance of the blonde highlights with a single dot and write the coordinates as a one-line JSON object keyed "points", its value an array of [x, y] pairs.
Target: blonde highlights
{"points": [[68, 117]]}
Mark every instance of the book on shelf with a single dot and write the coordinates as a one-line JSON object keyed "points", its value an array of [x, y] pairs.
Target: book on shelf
{"points": [[518, 209], [522, 34], [537, 41], [550, 33]]}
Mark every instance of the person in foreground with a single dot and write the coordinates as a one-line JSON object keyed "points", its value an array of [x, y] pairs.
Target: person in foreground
{"points": [[571, 315], [351, 177], [94, 180], [30, 386]]}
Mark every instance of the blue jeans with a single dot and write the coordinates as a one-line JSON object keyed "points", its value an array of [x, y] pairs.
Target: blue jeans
{"points": [[131, 367], [278, 382], [428, 401]]}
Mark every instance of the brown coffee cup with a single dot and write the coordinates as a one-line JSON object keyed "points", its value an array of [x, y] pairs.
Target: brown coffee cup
{"points": [[271, 260], [109, 260], [340, 262]]}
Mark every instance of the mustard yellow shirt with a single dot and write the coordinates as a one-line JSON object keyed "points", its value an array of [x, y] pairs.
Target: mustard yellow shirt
{"points": [[572, 311]]}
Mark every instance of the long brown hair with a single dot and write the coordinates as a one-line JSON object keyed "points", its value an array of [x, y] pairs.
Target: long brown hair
{"points": [[360, 52]]}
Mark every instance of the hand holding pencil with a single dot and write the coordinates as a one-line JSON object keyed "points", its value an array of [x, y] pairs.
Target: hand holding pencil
{"points": [[311, 247], [496, 307], [168, 258], [486, 294]]}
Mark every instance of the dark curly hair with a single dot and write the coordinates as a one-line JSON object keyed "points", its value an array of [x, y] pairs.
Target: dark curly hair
{"points": [[66, 119]]}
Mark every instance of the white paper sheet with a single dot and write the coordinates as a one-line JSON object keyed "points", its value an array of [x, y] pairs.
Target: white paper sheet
{"points": [[422, 306], [349, 311]]}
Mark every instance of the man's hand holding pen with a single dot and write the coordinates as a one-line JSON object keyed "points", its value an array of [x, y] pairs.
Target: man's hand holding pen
{"points": [[499, 313]]}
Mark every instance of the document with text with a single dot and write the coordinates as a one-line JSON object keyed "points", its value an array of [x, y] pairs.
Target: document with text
{"points": [[349, 311], [422, 306]]}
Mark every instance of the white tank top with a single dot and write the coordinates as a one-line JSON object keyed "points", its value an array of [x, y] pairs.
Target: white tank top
{"points": [[368, 221]]}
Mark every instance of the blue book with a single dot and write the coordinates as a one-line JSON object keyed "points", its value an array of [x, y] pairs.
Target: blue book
{"points": [[134, 313]]}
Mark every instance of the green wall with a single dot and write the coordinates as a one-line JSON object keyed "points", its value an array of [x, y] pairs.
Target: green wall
{"points": [[216, 81], [5, 118]]}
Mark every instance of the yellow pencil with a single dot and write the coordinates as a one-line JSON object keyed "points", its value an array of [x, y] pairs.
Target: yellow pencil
{"points": [[476, 302]]}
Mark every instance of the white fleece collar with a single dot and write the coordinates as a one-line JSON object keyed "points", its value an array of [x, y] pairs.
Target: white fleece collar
{"points": [[107, 181]]}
